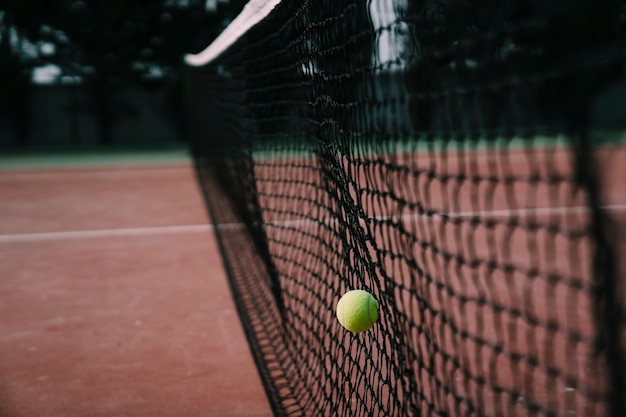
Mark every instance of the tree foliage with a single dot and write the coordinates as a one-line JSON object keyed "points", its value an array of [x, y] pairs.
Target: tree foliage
{"points": [[106, 45]]}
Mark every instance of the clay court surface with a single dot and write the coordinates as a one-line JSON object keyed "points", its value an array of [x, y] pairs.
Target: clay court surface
{"points": [[113, 298]]}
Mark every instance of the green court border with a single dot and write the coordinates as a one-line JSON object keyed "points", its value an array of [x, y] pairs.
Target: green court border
{"points": [[177, 153], [66, 157], [376, 146]]}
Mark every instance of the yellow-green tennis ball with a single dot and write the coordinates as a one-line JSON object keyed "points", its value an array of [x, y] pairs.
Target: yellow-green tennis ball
{"points": [[357, 311]]}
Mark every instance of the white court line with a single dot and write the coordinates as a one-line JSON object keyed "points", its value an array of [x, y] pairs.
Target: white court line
{"points": [[123, 232], [102, 233], [207, 228]]}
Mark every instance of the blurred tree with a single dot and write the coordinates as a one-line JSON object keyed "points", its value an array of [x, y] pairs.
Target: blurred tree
{"points": [[25, 43], [14, 80], [106, 46], [123, 43]]}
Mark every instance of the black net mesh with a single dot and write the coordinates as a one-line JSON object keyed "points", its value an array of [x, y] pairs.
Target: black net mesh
{"points": [[462, 161]]}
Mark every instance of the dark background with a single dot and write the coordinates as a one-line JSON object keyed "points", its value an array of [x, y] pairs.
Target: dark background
{"points": [[84, 73]]}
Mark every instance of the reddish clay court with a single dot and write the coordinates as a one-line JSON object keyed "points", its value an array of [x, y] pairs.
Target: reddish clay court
{"points": [[114, 300]]}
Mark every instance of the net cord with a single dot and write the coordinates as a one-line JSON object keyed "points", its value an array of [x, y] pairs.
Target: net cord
{"points": [[253, 12]]}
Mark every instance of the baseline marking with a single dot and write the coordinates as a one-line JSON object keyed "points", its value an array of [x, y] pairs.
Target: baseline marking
{"points": [[208, 228]]}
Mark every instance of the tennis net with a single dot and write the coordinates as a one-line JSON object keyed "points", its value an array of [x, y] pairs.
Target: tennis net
{"points": [[461, 161]]}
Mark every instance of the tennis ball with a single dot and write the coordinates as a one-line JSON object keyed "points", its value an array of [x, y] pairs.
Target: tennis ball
{"points": [[357, 311]]}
